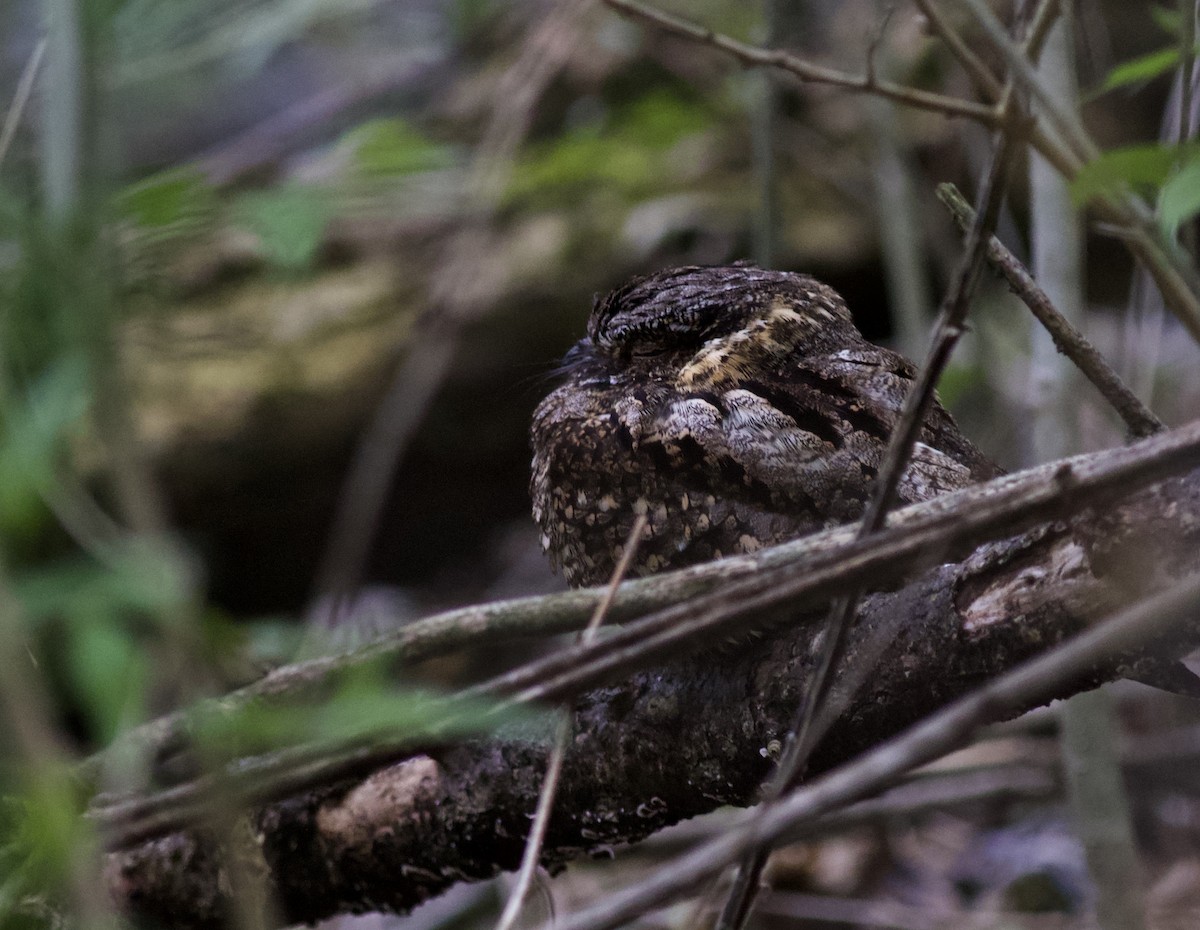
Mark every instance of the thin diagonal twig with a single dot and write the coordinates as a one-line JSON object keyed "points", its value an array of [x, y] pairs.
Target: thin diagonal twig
{"points": [[16, 109], [541, 817], [806, 70], [1139, 419], [987, 83], [1021, 67]]}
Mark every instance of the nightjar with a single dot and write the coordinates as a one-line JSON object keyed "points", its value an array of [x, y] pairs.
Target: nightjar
{"points": [[738, 407]]}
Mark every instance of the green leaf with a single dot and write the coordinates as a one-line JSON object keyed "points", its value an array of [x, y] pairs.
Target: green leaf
{"points": [[1141, 69], [101, 615], [365, 707], [172, 197], [958, 381], [1179, 197], [289, 222], [1143, 165], [108, 673], [660, 119], [139, 580], [1168, 19], [628, 152], [393, 147], [35, 428]]}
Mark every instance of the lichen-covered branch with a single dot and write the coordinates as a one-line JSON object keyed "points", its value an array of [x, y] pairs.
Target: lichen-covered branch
{"points": [[677, 741], [946, 528]]}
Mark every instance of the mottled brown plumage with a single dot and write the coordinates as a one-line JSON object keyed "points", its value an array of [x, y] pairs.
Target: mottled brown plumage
{"points": [[739, 407]]}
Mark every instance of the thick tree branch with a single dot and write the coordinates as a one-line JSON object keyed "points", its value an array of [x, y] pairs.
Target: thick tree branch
{"points": [[921, 537], [950, 727], [674, 742]]}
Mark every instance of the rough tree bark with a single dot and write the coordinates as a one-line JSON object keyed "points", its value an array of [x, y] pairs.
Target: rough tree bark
{"points": [[678, 741]]}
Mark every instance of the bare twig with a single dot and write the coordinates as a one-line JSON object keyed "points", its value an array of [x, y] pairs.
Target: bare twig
{"points": [[1187, 63], [1095, 791], [1188, 12], [921, 793], [1139, 419], [528, 869], [1023, 71], [938, 734], [16, 109], [1100, 808], [901, 242], [541, 817], [986, 82], [806, 70]]}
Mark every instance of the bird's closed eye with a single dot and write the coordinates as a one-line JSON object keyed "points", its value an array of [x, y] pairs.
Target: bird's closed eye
{"points": [[645, 351]]}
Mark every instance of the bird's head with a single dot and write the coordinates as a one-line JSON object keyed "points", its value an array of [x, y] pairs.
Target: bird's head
{"points": [[706, 318]]}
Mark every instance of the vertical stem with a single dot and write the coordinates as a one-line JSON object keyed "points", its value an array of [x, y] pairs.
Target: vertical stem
{"points": [[1098, 801], [69, 166], [1188, 10], [1095, 790], [763, 119], [61, 105], [900, 233], [898, 212], [1057, 240]]}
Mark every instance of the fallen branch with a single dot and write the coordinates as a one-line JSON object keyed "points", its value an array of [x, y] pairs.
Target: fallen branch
{"points": [[677, 741], [947, 527]]}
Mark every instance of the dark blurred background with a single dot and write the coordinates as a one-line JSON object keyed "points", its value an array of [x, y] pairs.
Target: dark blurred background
{"points": [[344, 244], [296, 179]]}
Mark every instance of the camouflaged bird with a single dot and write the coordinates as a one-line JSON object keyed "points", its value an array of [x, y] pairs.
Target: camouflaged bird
{"points": [[738, 407]]}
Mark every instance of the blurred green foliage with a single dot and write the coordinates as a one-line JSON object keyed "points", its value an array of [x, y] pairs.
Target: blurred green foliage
{"points": [[289, 221], [1143, 68], [177, 200], [35, 433], [1168, 174], [42, 840], [103, 613], [366, 705], [626, 150], [1179, 196], [393, 147], [1143, 167]]}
